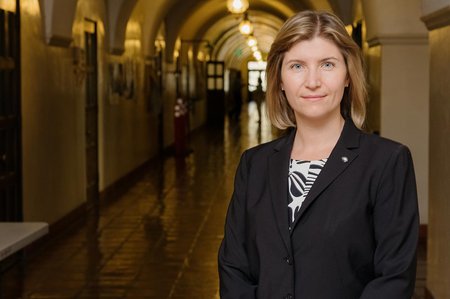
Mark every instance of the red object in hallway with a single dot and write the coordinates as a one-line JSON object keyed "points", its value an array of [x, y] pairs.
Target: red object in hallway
{"points": [[180, 127]]}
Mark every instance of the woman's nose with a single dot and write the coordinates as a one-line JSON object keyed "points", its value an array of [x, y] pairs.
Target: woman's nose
{"points": [[313, 79]]}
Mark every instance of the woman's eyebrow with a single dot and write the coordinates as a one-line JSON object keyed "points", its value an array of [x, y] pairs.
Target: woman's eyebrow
{"points": [[329, 58], [296, 60]]}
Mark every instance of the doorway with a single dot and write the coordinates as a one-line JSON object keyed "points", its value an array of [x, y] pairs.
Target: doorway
{"points": [[215, 92], [10, 134]]}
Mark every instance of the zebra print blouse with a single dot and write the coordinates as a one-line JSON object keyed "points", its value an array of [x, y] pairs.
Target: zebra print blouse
{"points": [[302, 175]]}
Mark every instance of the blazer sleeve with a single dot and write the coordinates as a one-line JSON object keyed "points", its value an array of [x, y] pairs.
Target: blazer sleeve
{"points": [[396, 228], [234, 272]]}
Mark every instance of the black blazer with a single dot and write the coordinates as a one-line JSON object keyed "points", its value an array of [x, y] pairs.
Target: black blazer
{"points": [[355, 236]]}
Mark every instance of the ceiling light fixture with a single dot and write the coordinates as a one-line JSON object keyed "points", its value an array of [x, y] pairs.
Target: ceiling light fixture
{"points": [[257, 55], [251, 41], [246, 27], [237, 6]]}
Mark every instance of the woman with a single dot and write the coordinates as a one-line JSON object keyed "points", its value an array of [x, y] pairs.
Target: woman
{"points": [[326, 211]]}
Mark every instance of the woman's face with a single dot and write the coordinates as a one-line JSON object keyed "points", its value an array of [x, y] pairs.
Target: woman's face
{"points": [[313, 77]]}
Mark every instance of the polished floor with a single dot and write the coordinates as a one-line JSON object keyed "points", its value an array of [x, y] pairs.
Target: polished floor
{"points": [[160, 239]]}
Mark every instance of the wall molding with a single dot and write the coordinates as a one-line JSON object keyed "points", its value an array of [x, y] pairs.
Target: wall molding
{"points": [[437, 19], [58, 40], [404, 39]]}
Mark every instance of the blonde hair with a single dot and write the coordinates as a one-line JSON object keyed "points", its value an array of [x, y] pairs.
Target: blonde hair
{"points": [[305, 26]]}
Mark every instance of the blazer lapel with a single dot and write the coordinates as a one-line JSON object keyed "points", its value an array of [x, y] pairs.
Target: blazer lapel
{"points": [[340, 158], [278, 185]]}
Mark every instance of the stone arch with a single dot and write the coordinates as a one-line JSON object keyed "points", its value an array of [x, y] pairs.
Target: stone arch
{"points": [[58, 17], [118, 14]]}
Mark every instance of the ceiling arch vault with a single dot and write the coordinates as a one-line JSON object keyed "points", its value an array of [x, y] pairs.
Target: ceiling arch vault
{"points": [[189, 20], [209, 22]]}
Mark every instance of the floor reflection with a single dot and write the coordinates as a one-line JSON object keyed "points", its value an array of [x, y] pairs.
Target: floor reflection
{"points": [[160, 239]]}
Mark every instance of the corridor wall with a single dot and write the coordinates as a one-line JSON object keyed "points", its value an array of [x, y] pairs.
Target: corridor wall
{"points": [[53, 115], [52, 124]]}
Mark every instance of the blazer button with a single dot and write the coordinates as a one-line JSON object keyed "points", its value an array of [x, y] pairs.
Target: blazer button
{"points": [[288, 296], [288, 261]]}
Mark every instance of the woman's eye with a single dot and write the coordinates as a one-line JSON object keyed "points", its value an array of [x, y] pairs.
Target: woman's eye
{"points": [[328, 65], [296, 66]]}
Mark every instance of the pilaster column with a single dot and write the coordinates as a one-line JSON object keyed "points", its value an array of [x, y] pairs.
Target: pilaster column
{"points": [[399, 86], [436, 16]]}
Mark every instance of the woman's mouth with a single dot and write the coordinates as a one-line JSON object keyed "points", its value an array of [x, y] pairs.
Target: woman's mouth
{"points": [[313, 97]]}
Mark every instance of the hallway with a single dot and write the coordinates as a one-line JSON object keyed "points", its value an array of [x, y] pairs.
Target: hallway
{"points": [[160, 239], [88, 94]]}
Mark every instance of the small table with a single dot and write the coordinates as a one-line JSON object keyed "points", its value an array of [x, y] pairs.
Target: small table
{"points": [[16, 235]]}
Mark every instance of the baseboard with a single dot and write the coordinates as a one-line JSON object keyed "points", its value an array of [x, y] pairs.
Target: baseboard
{"points": [[77, 217], [119, 187], [423, 233], [428, 294], [67, 223]]}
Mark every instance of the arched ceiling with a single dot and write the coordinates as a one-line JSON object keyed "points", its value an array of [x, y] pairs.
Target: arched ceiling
{"points": [[231, 46], [210, 20], [200, 20], [213, 10], [189, 20]]}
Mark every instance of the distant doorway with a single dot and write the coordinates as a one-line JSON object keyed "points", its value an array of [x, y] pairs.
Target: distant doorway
{"points": [[91, 114], [10, 135], [256, 69], [215, 92]]}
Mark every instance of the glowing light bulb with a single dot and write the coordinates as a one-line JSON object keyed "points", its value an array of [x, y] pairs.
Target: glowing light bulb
{"points": [[257, 55], [251, 41], [246, 27], [237, 6]]}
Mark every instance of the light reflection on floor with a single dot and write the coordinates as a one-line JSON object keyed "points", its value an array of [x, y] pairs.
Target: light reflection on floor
{"points": [[160, 239]]}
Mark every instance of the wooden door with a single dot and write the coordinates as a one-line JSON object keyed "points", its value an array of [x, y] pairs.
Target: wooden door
{"points": [[91, 115], [10, 135]]}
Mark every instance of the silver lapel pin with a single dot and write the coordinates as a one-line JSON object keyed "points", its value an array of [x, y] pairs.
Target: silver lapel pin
{"points": [[344, 159]]}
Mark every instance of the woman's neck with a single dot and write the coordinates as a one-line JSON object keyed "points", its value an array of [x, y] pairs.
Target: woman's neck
{"points": [[314, 140]]}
